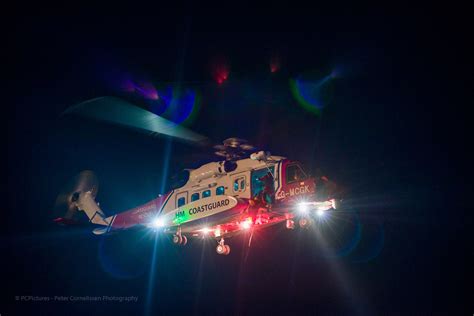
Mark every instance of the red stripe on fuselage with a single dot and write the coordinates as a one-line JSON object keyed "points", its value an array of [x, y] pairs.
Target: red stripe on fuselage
{"points": [[141, 214]]}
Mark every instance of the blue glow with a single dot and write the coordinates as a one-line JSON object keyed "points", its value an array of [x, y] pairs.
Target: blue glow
{"points": [[374, 247], [115, 262], [151, 280], [311, 91], [176, 104], [180, 104], [351, 244]]}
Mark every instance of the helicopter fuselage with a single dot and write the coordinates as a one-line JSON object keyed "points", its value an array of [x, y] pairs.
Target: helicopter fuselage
{"points": [[216, 200]]}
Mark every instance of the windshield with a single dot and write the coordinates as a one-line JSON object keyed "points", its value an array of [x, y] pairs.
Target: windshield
{"points": [[295, 173]]}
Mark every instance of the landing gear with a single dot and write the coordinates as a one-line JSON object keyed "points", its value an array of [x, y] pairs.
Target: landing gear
{"points": [[305, 222], [290, 224], [179, 239], [222, 248]]}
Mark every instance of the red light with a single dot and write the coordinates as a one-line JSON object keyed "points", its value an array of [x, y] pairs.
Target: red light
{"points": [[274, 63], [220, 70], [154, 96]]}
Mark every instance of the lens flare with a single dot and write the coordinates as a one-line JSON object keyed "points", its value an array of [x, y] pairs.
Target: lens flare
{"points": [[115, 257], [313, 92], [180, 105], [157, 223], [246, 224], [220, 70], [145, 89], [341, 242], [303, 208], [372, 244], [275, 63]]}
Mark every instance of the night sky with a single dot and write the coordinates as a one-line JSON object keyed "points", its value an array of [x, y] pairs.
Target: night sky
{"points": [[389, 128]]}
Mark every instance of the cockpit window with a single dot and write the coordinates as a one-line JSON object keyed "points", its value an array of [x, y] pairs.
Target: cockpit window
{"points": [[206, 194], [294, 173]]}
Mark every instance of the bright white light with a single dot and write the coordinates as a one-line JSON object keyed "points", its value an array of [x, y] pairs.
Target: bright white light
{"points": [[157, 222], [206, 230], [246, 224], [320, 213], [303, 208]]}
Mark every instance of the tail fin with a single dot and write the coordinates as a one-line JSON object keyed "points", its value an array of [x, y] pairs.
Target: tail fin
{"points": [[85, 202], [79, 195]]}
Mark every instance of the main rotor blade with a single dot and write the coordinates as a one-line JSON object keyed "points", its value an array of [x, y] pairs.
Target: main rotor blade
{"points": [[120, 112]]}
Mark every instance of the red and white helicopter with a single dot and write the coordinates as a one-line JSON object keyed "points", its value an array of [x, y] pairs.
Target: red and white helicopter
{"points": [[248, 189]]}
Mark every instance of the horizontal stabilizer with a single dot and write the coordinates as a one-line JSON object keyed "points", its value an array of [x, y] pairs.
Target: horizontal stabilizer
{"points": [[66, 221]]}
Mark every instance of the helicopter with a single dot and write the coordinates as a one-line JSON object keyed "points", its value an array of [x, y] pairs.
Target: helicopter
{"points": [[247, 189]]}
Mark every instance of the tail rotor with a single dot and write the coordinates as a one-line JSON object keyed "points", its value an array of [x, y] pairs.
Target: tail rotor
{"points": [[65, 208]]}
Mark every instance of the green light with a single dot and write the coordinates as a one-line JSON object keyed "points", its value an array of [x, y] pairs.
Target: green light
{"points": [[181, 216]]}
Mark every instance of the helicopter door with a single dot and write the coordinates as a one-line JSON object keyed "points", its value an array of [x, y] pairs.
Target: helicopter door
{"points": [[257, 184]]}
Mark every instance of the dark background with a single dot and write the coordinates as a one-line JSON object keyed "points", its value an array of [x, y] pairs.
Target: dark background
{"points": [[393, 134]]}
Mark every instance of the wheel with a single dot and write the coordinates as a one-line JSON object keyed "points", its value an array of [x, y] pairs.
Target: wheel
{"points": [[177, 239], [290, 224], [184, 240], [304, 222], [221, 249], [227, 249]]}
